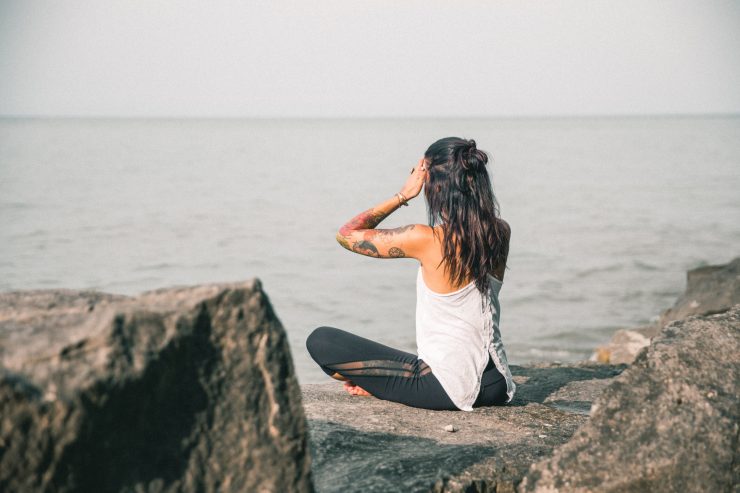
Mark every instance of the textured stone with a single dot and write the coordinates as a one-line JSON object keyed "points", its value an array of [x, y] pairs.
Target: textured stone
{"points": [[179, 389], [369, 445], [626, 344], [668, 423], [709, 289]]}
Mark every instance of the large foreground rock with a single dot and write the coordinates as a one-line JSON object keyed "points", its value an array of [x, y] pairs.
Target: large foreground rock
{"points": [[363, 444], [710, 289], [180, 389], [669, 423]]}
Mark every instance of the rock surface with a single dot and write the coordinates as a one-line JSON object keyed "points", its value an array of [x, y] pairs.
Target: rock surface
{"points": [[626, 344], [369, 445], [178, 389], [709, 289], [668, 423]]}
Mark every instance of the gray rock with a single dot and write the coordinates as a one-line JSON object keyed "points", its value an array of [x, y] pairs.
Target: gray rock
{"points": [[369, 445], [668, 423], [179, 389], [626, 344], [709, 289]]}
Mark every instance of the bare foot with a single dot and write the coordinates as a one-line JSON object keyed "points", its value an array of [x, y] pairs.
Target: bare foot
{"points": [[353, 389]]}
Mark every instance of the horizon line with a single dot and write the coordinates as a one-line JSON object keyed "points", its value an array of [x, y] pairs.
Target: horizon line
{"points": [[375, 117]]}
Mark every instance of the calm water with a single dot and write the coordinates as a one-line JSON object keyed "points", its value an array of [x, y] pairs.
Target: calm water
{"points": [[607, 215]]}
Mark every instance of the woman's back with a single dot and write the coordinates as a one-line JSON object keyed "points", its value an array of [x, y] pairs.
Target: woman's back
{"points": [[435, 276], [457, 333], [457, 326]]}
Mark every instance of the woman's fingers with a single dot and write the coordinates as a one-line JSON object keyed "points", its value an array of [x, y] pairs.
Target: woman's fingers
{"points": [[415, 182]]}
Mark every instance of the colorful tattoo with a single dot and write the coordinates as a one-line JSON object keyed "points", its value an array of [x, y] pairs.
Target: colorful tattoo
{"points": [[364, 220], [343, 241]]}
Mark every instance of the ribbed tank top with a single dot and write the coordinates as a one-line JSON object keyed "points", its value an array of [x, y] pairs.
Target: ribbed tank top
{"points": [[455, 333]]}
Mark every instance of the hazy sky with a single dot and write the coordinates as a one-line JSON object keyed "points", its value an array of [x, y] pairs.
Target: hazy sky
{"points": [[370, 58]]}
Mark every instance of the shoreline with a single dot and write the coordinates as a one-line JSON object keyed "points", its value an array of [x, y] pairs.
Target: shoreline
{"points": [[193, 388]]}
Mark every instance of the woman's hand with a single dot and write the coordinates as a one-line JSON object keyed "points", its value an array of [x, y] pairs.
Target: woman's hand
{"points": [[416, 181]]}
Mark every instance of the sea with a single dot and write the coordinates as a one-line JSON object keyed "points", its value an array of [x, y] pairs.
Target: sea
{"points": [[607, 215]]}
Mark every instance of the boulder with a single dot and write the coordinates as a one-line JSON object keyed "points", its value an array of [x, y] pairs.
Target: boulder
{"points": [[370, 445], [626, 344], [178, 389], [709, 289], [668, 423]]}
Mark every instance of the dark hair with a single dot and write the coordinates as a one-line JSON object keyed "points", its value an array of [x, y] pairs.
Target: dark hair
{"points": [[459, 192]]}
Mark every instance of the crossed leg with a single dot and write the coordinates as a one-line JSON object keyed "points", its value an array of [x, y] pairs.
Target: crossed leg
{"points": [[370, 367]]}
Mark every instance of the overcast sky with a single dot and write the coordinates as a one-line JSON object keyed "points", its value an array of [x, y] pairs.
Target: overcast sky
{"points": [[328, 58]]}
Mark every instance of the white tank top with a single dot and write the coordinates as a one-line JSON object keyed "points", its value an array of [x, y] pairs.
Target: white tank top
{"points": [[455, 333]]}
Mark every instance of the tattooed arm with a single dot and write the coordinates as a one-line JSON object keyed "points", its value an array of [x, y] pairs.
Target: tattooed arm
{"points": [[360, 236]]}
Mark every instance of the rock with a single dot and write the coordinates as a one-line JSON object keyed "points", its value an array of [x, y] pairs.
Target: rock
{"points": [[369, 445], [710, 289], [179, 389], [668, 423], [450, 428], [626, 344]]}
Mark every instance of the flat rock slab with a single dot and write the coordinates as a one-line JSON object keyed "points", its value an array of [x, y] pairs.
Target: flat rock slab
{"points": [[367, 444]]}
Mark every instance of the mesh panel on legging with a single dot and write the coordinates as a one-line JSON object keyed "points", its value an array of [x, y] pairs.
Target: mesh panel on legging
{"points": [[381, 367]]}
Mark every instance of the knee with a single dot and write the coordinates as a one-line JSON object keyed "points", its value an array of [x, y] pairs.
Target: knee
{"points": [[318, 338]]}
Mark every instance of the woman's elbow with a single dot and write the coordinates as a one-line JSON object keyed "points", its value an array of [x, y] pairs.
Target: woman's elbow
{"points": [[342, 240]]}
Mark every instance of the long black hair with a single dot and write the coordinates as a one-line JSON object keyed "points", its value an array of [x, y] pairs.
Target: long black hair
{"points": [[460, 196]]}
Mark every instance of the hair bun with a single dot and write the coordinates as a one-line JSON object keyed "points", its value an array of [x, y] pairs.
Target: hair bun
{"points": [[473, 158]]}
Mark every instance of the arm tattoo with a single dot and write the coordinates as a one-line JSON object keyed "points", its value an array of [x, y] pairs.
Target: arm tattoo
{"points": [[343, 241], [385, 235], [396, 252], [366, 248], [364, 220], [367, 221]]}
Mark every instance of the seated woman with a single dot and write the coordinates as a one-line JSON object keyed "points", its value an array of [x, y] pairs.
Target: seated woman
{"points": [[462, 254]]}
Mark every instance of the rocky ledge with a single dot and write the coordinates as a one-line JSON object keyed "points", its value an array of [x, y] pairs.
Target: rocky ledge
{"points": [[667, 423], [191, 389], [366, 444]]}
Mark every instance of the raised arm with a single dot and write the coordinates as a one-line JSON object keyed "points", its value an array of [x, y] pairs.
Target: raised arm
{"points": [[360, 236]]}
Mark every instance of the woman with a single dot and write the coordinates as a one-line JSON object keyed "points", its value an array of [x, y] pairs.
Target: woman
{"points": [[461, 361]]}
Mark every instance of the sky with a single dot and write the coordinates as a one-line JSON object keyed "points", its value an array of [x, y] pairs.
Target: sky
{"points": [[345, 58]]}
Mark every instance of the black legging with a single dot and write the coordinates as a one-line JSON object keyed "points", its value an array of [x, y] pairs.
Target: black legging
{"points": [[390, 374]]}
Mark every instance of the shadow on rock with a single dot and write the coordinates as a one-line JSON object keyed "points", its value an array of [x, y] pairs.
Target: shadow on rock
{"points": [[161, 407], [568, 387], [345, 457]]}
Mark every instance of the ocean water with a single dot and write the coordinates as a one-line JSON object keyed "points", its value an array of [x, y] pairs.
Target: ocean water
{"points": [[607, 214]]}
